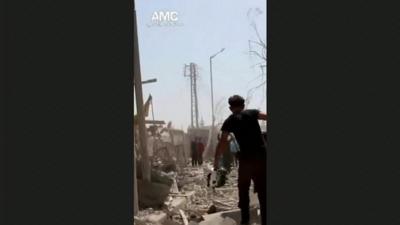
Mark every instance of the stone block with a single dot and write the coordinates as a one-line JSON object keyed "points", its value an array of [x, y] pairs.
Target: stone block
{"points": [[156, 218], [178, 203]]}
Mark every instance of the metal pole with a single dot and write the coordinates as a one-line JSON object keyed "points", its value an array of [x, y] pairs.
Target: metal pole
{"points": [[212, 109], [212, 100], [212, 94], [196, 106], [135, 189], [139, 105], [149, 81], [191, 97]]}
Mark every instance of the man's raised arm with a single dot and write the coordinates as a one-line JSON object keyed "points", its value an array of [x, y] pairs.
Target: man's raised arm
{"points": [[262, 116]]}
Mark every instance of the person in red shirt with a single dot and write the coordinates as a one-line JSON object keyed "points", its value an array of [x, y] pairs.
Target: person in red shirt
{"points": [[200, 149], [194, 154]]}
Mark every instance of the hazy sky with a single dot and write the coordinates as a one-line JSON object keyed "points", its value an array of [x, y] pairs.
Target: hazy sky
{"points": [[205, 26]]}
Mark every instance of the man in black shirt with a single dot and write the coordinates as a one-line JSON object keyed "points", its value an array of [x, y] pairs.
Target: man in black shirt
{"points": [[252, 155]]}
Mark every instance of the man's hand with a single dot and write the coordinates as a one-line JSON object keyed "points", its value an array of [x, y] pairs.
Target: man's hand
{"points": [[215, 165], [221, 148], [262, 116]]}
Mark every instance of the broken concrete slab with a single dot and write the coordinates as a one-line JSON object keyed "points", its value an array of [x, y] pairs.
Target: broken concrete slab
{"points": [[139, 221], [195, 198], [190, 194], [178, 203], [218, 218], [228, 221], [152, 194], [174, 187], [156, 218], [170, 222]]}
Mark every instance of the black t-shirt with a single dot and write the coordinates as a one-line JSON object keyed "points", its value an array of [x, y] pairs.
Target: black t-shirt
{"points": [[247, 131]]}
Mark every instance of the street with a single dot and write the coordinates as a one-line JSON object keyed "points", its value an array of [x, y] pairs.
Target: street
{"points": [[191, 200]]}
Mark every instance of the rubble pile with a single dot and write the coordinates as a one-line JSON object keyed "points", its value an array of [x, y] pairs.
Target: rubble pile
{"points": [[191, 202], [222, 199]]}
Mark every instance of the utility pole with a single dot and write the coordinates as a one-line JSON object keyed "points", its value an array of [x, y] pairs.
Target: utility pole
{"points": [[212, 101], [212, 94], [139, 105], [194, 108], [135, 189], [196, 105]]}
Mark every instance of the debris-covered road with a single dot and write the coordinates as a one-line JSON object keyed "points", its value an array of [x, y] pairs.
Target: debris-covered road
{"points": [[191, 202]]}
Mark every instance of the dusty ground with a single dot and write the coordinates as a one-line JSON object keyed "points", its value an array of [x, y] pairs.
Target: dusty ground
{"points": [[191, 201]]}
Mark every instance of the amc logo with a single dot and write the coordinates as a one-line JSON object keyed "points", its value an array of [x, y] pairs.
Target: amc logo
{"points": [[164, 16], [164, 19]]}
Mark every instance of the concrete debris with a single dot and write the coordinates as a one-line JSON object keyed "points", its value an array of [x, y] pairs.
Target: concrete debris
{"points": [[169, 167], [156, 218], [196, 218], [178, 203], [184, 218], [212, 209], [138, 221], [219, 217], [190, 202], [174, 187], [228, 221], [152, 194]]}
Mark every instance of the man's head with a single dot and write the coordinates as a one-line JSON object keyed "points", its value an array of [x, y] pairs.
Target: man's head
{"points": [[236, 103]]}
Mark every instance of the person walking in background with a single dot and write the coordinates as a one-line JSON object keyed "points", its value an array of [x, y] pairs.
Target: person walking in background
{"points": [[193, 148], [200, 150]]}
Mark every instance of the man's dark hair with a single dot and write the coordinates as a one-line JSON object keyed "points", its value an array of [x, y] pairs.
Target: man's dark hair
{"points": [[236, 101]]}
